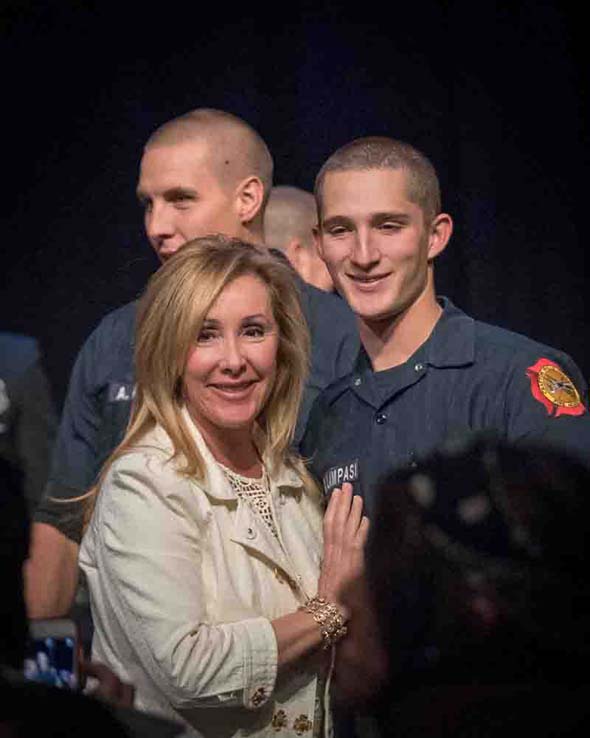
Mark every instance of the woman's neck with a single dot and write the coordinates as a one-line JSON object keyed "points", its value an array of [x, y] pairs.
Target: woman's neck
{"points": [[232, 447]]}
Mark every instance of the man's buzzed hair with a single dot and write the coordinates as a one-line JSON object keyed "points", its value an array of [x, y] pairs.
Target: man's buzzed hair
{"points": [[290, 213], [380, 152], [237, 150]]}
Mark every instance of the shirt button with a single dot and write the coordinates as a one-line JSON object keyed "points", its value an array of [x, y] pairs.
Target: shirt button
{"points": [[357, 381], [418, 367], [380, 418], [250, 533]]}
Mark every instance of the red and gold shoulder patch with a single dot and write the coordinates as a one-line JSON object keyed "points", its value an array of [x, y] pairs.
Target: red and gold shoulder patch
{"points": [[554, 389]]}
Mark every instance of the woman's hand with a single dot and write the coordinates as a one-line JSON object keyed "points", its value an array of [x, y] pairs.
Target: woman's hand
{"points": [[345, 535]]}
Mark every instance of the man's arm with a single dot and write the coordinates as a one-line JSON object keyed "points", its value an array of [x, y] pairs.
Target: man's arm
{"points": [[547, 403], [51, 572], [52, 569]]}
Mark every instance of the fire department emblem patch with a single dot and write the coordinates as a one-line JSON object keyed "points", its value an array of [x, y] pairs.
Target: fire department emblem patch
{"points": [[554, 389]]}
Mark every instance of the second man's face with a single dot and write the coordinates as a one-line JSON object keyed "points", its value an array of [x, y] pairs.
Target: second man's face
{"points": [[374, 241], [182, 197]]}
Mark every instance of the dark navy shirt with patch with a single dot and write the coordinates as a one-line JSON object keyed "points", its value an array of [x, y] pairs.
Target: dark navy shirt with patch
{"points": [[98, 403], [468, 376]]}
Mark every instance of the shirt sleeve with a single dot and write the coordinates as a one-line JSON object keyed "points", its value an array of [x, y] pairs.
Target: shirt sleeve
{"points": [[73, 468], [147, 539], [539, 411]]}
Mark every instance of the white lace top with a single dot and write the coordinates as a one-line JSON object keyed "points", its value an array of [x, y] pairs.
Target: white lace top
{"points": [[256, 492]]}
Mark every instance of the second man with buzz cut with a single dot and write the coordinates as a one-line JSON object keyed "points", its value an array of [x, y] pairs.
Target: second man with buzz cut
{"points": [[427, 372]]}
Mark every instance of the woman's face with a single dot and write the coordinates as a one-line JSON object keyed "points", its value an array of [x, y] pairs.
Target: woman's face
{"points": [[231, 367]]}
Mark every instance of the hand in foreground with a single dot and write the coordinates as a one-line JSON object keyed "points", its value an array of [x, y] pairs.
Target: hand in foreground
{"points": [[345, 535], [106, 685]]}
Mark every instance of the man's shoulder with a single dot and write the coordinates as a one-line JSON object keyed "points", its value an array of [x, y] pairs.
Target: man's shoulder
{"points": [[115, 332], [120, 321], [501, 344], [106, 357]]}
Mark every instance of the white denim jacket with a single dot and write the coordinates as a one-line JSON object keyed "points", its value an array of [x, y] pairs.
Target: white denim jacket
{"points": [[184, 580]]}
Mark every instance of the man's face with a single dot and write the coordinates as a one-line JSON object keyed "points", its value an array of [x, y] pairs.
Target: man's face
{"points": [[182, 197], [374, 241]]}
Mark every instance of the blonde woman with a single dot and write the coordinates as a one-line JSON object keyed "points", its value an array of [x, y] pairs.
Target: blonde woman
{"points": [[211, 590]]}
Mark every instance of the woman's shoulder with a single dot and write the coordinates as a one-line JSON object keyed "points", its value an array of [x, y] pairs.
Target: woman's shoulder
{"points": [[150, 462]]}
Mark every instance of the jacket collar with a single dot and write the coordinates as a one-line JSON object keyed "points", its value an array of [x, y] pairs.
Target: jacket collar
{"points": [[215, 483]]}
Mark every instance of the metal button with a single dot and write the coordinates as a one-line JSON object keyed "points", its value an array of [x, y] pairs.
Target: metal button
{"points": [[302, 725], [258, 696], [380, 418], [418, 367], [357, 381], [279, 720], [250, 533]]}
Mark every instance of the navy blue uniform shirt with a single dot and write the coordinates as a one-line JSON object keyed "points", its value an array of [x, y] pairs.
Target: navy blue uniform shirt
{"points": [[98, 402], [467, 376]]}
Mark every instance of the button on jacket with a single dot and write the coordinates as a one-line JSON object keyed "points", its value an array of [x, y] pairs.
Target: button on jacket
{"points": [[468, 376], [185, 578]]}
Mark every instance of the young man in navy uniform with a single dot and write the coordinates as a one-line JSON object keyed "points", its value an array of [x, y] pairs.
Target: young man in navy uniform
{"points": [[427, 371], [202, 173]]}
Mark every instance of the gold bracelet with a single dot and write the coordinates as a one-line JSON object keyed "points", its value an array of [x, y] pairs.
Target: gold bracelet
{"points": [[328, 617]]}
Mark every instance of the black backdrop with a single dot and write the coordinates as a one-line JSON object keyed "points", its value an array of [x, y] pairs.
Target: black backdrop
{"points": [[494, 94]]}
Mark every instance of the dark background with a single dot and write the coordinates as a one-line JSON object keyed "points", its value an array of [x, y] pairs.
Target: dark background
{"points": [[495, 95]]}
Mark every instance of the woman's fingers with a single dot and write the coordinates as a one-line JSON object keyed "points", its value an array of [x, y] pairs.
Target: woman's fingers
{"points": [[362, 532], [345, 527], [345, 533], [355, 514], [337, 513]]}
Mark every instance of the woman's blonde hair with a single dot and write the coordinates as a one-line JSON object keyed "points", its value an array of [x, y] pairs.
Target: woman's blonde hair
{"points": [[171, 313]]}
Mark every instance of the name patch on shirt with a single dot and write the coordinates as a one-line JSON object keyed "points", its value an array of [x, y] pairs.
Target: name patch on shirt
{"points": [[337, 475], [121, 392]]}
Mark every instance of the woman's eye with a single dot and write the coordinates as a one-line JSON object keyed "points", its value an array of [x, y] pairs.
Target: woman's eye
{"points": [[254, 331], [205, 336]]}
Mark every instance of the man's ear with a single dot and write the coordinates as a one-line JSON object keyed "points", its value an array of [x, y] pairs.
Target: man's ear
{"points": [[294, 251], [317, 239], [441, 229], [249, 198]]}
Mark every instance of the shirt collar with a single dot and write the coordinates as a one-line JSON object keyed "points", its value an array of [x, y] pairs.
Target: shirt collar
{"points": [[451, 343]]}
